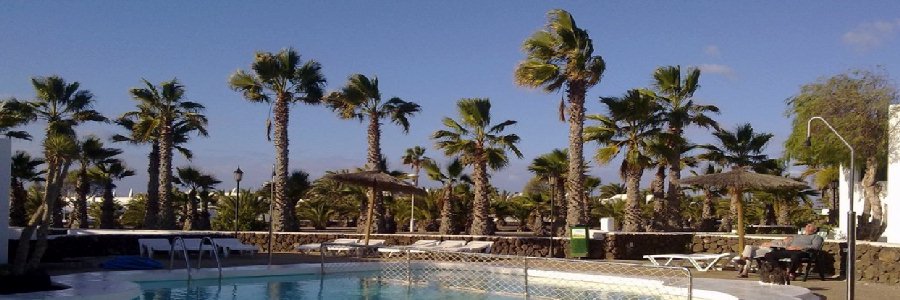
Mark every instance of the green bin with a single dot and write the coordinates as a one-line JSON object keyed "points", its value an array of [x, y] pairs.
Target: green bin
{"points": [[578, 241]]}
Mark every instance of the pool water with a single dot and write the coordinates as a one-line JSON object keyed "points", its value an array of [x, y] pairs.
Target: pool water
{"points": [[310, 286], [356, 285]]}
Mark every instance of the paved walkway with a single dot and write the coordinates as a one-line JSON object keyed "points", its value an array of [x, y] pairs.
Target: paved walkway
{"points": [[827, 289]]}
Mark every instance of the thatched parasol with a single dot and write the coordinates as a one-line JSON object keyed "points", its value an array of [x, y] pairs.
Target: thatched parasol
{"points": [[378, 181], [736, 181]]}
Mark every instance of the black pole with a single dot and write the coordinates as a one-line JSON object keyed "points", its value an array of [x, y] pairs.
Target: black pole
{"points": [[237, 204]]}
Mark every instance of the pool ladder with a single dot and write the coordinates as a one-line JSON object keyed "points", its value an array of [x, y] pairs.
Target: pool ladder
{"points": [[187, 260]]}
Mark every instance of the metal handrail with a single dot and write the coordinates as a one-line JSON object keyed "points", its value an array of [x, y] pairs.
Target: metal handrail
{"points": [[187, 261], [215, 252]]}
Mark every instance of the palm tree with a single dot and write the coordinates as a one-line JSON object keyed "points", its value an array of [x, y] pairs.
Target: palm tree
{"points": [[480, 144], [552, 167], [282, 79], [24, 169], [360, 99], [298, 185], [189, 177], [675, 93], [449, 178], [628, 129], [162, 109], [14, 113], [206, 183], [182, 130], [561, 55], [783, 201], [414, 157], [710, 194], [91, 153], [108, 172], [63, 107], [738, 149], [198, 185]]}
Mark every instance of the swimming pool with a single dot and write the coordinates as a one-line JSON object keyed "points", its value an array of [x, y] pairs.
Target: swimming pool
{"points": [[362, 285]]}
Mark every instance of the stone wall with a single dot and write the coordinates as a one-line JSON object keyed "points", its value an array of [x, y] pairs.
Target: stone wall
{"points": [[528, 246]]}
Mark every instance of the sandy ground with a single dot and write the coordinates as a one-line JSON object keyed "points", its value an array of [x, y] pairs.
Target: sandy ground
{"points": [[827, 289]]}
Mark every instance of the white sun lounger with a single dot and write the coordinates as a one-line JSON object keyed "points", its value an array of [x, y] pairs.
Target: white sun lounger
{"points": [[474, 247], [149, 245], [702, 261], [352, 246], [447, 245], [420, 243], [306, 248], [193, 245], [226, 245]]}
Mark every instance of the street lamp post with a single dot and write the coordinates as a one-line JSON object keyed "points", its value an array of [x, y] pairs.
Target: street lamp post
{"points": [[851, 215], [412, 204], [238, 175], [271, 214]]}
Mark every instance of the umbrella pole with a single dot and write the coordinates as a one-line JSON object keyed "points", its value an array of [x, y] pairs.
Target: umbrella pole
{"points": [[369, 212], [737, 194]]}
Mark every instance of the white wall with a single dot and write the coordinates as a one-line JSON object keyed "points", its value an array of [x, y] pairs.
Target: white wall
{"points": [[844, 198], [892, 233], [5, 181]]}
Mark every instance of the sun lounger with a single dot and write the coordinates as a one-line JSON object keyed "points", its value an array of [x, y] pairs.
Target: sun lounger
{"points": [[149, 245], [447, 245], [194, 245], [306, 248], [226, 245], [702, 261], [474, 247], [353, 246], [397, 249]]}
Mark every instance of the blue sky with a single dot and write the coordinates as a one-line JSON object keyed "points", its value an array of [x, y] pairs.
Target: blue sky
{"points": [[754, 55]]}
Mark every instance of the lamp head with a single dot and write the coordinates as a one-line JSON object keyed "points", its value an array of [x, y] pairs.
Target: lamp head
{"points": [[807, 143], [238, 174]]}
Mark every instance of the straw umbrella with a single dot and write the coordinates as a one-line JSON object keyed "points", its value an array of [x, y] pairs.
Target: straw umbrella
{"points": [[378, 181], [736, 182]]}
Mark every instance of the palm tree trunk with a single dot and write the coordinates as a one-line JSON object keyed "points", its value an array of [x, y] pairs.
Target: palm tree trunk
{"points": [[79, 214], [447, 212], [561, 214], [190, 219], [107, 210], [673, 198], [204, 211], [151, 207], [660, 209], [633, 205], [576, 204], [53, 193], [24, 245], [17, 198], [167, 218], [284, 213], [871, 224], [783, 214], [772, 213], [373, 163], [481, 224], [708, 216]]}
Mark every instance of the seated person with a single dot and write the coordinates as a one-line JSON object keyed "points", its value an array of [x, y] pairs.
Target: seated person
{"points": [[797, 248], [756, 251]]}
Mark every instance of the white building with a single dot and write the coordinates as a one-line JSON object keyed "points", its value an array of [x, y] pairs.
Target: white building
{"points": [[890, 193]]}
